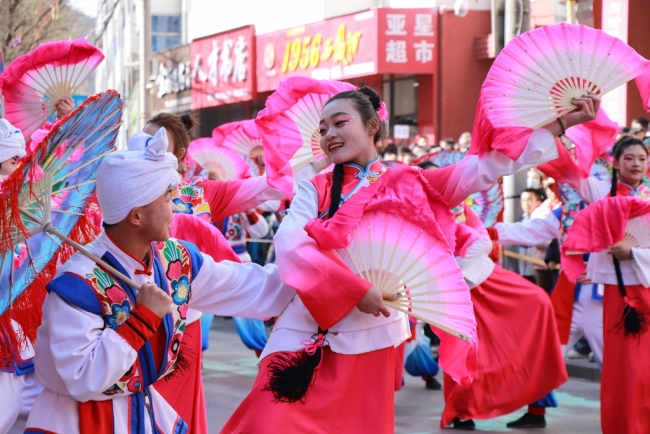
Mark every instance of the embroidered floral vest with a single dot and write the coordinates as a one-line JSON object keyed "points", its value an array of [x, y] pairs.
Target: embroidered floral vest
{"points": [[175, 266], [189, 198], [233, 231]]}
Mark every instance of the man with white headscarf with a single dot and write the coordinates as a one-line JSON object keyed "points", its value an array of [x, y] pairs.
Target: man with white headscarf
{"points": [[18, 386], [12, 147], [103, 344]]}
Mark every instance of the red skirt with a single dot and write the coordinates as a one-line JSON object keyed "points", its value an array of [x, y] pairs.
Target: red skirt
{"points": [[625, 379], [183, 389], [350, 394], [519, 355]]}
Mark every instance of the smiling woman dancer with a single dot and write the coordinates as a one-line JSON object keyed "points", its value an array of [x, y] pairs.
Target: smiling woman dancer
{"points": [[352, 390]]}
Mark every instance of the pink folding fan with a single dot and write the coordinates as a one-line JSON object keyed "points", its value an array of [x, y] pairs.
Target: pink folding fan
{"points": [[223, 163], [36, 81], [534, 79]]}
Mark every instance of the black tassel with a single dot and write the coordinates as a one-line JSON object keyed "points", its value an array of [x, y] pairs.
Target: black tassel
{"points": [[291, 375], [634, 323]]}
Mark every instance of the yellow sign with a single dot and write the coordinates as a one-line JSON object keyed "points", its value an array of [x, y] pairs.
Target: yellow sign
{"points": [[308, 51]]}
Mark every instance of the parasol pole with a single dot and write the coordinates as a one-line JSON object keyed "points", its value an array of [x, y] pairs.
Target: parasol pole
{"points": [[50, 229]]}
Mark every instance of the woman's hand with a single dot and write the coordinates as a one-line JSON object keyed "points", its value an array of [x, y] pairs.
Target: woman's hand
{"points": [[583, 279], [64, 107], [321, 164], [587, 108], [622, 253], [373, 303]]}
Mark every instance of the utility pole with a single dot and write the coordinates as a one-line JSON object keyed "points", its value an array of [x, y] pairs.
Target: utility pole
{"points": [[512, 209], [513, 184], [571, 11], [144, 60]]}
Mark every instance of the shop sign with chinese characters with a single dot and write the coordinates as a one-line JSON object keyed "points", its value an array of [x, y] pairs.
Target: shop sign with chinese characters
{"points": [[171, 76], [376, 41], [408, 41], [337, 48], [222, 68]]}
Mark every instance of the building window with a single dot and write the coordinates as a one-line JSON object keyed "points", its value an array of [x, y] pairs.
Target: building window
{"points": [[165, 32]]}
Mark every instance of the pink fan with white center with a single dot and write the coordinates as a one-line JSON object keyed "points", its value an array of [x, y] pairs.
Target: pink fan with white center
{"points": [[36, 81], [223, 163], [534, 79], [289, 127], [244, 138], [399, 235]]}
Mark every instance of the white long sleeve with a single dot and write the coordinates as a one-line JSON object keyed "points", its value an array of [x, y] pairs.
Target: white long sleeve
{"points": [[87, 356], [246, 290], [473, 174], [592, 189], [530, 232], [476, 264], [600, 268]]}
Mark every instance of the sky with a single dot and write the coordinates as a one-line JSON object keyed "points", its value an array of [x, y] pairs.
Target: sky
{"points": [[89, 7]]}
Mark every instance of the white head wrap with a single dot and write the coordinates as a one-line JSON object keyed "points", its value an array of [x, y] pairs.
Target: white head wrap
{"points": [[129, 179], [12, 142]]}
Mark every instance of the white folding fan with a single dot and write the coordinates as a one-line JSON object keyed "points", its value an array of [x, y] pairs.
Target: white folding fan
{"points": [[637, 233], [401, 258], [534, 79]]}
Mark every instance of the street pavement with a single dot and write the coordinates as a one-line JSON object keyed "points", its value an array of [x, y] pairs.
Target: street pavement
{"points": [[229, 369]]}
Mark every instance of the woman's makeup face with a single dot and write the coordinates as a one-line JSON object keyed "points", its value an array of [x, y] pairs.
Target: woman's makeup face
{"points": [[632, 165], [344, 136]]}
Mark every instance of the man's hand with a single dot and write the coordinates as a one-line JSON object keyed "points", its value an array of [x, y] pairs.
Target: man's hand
{"points": [[64, 107], [373, 303], [154, 298]]}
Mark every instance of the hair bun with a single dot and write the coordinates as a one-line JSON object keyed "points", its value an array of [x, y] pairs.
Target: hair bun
{"points": [[373, 96], [188, 122]]}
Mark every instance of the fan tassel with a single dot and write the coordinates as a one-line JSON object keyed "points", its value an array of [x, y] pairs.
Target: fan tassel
{"points": [[633, 322], [291, 375]]}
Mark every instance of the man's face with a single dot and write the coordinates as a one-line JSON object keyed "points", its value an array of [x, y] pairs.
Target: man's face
{"points": [[156, 218], [529, 202], [7, 167]]}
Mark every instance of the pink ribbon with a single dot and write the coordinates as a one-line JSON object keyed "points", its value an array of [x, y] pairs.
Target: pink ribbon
{"points": [[312, 345]]}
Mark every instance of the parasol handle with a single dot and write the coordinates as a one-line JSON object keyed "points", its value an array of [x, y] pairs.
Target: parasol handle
{"points": [[51, 229]]}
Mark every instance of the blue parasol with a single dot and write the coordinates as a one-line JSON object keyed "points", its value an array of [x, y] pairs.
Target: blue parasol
{"points": [[45, 201]]}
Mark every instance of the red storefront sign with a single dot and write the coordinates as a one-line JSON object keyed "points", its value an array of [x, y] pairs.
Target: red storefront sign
{"points": [[338, 48], [402, 41], [223, 68], [408, 40]]}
